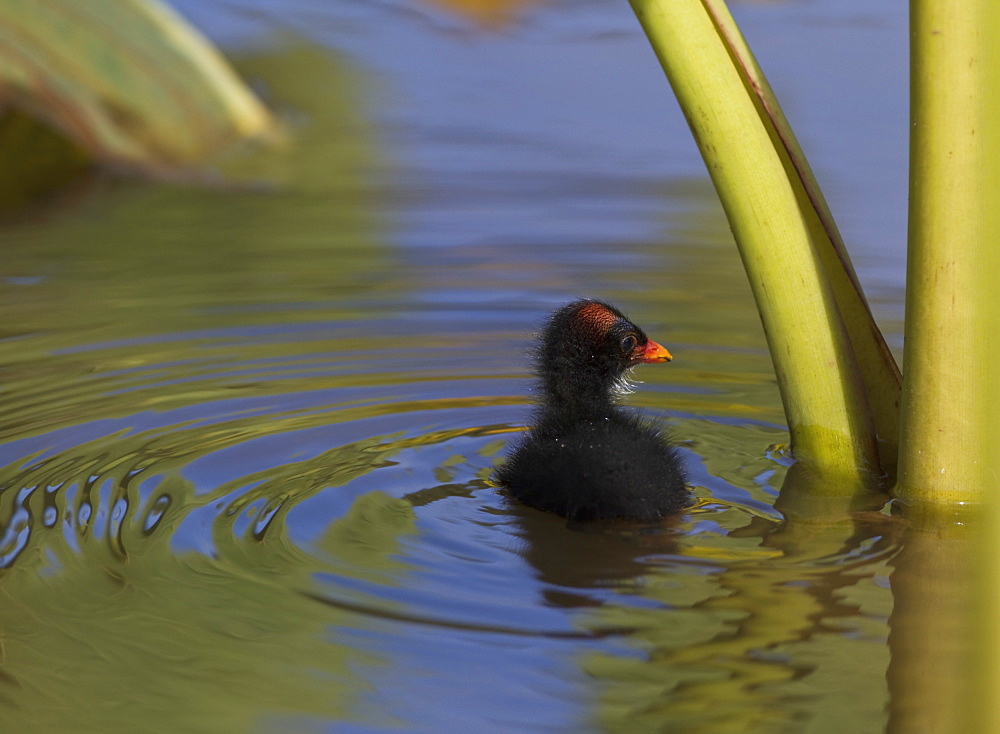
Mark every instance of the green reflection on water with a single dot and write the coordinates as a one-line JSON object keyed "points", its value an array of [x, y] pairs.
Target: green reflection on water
{"points": [[153, 640], [114, 630], [766, 643], [130, 301], [137, 261]]}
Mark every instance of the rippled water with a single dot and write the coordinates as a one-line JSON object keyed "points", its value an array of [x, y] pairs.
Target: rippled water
{"points": [[248, 427]]}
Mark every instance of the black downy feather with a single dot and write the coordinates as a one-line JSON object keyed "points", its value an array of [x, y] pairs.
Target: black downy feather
{"points": [[585, 457]]}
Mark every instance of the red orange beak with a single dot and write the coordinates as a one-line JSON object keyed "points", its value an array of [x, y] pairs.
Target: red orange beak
{"points": [[652, 352]]}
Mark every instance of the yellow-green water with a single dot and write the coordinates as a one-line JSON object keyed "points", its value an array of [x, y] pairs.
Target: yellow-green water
{"points": [[247, 429]]}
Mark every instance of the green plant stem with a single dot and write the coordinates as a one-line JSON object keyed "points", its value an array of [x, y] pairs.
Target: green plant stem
{"points": [[949, 437], [879, 372], [777, 228]]}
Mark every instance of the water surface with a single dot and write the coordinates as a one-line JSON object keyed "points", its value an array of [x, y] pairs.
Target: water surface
{"points": [[249, 423]]}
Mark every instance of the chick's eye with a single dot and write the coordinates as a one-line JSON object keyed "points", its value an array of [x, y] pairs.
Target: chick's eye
{"points": [[629, 343]]}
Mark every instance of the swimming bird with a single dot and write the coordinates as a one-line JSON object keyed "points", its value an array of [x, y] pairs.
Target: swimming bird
{"points": [[585, 457]]}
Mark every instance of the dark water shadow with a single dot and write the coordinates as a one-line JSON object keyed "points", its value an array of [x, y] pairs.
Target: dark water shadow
{"points": [[725, 640]]}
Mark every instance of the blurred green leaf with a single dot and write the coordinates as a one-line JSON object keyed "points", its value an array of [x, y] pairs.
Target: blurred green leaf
{"points": [[128, 82]]}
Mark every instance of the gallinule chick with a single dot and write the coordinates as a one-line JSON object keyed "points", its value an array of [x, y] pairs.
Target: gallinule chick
{"points": [[586, 457]]}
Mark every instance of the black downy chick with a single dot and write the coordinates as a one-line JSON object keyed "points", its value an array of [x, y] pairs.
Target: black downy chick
{"points": [[586, 457]]}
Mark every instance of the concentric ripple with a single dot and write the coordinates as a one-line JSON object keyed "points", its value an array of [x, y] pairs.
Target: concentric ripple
{"points": [[299, 503], [248, 427]]}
